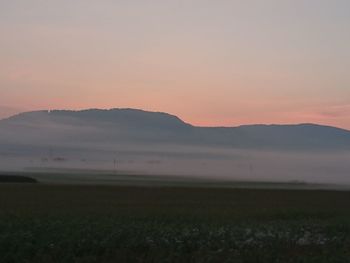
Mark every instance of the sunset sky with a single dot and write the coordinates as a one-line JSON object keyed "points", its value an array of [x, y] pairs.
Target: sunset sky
{"points": [[209, 62]]}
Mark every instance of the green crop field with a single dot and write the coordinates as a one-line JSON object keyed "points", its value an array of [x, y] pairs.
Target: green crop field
{"points": [[72, 223]]}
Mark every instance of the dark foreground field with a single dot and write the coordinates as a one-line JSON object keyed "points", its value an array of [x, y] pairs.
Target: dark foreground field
{"points": [[56, 223], [16, 179]]}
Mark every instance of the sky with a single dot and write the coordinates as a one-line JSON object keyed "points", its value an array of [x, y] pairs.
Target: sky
{"points": [[212, 63]]}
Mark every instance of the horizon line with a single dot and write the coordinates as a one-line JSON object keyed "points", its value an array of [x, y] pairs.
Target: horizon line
{"points": [[174, 115]]}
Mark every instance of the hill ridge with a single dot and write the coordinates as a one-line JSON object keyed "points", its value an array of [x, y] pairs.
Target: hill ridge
{"points": [[139, 126], [165, 114]]}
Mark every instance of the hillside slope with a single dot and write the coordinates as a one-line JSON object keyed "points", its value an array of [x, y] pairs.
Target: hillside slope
{"points": [[137, 126]]}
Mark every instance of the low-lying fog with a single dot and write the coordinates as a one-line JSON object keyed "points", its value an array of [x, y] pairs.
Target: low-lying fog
{"points": [[220, 163], [133, 141]]}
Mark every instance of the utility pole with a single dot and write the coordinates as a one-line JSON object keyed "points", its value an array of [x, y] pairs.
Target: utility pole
{"points": [[50, 153], [115, 165]]}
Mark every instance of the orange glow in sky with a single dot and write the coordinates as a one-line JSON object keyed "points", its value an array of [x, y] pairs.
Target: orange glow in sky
{"points": [[212, 63]]}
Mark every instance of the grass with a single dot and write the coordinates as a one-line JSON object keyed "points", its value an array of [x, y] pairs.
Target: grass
{"points": [[72, 223]]}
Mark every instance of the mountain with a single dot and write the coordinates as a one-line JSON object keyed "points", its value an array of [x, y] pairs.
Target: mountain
{"points": [[124, 126], [6, 111], [120, 117]]}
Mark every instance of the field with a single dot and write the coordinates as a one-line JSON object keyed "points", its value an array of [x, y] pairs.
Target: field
{"points": [[86, 223]]}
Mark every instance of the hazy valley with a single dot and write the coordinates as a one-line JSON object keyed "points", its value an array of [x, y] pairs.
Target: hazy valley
{"points": [[139, 142]]}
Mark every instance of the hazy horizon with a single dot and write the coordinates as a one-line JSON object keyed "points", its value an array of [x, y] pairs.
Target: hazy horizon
{"points": [[152, 143]]}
